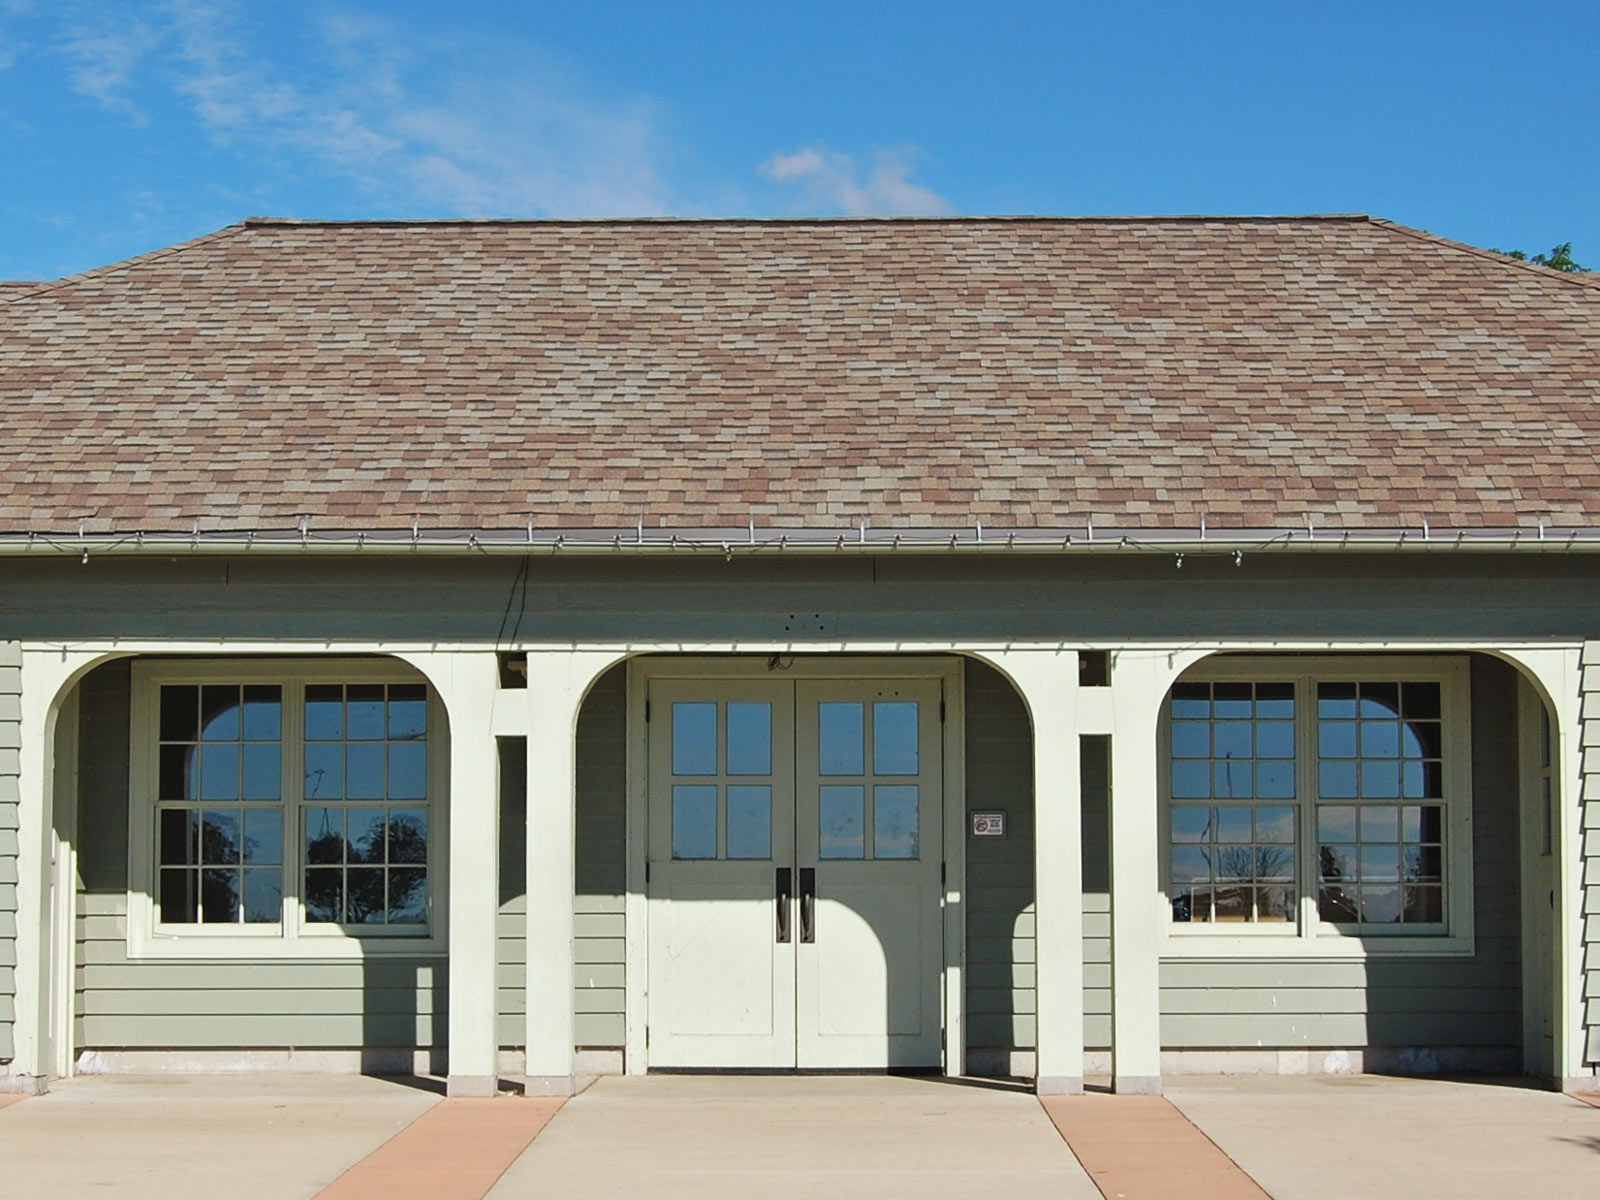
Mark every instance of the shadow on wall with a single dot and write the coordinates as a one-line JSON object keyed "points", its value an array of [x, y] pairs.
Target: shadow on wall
{"points": [[219, 1013], [1000, 993], [1412, 1013]]}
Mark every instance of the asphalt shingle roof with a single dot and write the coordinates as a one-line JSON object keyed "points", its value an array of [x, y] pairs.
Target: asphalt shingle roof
{"points": [[1025, 373]]}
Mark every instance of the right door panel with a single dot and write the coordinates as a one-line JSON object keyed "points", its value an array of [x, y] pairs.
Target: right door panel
{"points": [[869, 832]]}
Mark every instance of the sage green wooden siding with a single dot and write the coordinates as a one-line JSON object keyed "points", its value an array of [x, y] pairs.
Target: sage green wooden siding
{"points": [[1095, 779], [10, 798], [1123, 598], [1589, 853], [1000, 915], [599, 947], [1402, 1001], [1117, 597], [393, 1001]]}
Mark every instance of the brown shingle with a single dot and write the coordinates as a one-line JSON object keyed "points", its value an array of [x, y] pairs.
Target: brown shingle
{"points": [[925, 373]]}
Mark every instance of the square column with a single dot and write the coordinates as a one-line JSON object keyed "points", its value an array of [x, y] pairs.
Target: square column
{"points": [[1048, 682], [466, 683], [557, 683], [1139, 681]]}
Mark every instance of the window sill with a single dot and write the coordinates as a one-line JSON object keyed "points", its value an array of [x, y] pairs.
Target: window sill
{"points": [[1211, 944], [274, 946]]}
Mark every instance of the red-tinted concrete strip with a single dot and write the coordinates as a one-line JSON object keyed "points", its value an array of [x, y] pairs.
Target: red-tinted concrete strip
{"points": [[11, 1098], [1587, 1097], [456, 1150], [1142, 1148]]}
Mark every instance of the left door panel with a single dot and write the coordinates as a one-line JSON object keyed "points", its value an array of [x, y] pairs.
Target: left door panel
{"points": [[722, 973]]}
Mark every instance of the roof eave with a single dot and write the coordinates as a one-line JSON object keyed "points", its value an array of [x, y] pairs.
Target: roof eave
{"points": [[863, 538]]}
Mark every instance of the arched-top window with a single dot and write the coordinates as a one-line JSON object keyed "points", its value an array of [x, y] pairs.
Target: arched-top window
{"points": [[1320, 798]]}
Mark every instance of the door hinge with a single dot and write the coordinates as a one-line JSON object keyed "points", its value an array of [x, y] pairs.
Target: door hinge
{"points": [[647, 870], [944, 874], [647, 710], [941, 710]]}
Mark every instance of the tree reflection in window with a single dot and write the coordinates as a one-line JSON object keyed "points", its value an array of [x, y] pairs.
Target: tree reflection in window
{"points": [[365, 863], [1380, 853], [1231, 742], [220, 852], [366, 866]]}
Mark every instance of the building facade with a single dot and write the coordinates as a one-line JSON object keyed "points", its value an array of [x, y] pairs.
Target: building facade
{"points": [[1040, 648]]}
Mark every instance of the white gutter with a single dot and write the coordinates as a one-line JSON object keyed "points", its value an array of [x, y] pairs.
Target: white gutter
{"points": [[858, 539]]}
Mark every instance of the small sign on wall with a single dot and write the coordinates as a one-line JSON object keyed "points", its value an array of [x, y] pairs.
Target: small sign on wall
{"points": [[988, 824]]}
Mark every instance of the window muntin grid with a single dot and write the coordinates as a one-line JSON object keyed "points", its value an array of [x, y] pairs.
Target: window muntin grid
{"points": [[1380, 810], [1231, 862], [365, 855], [723, 750], [878, 815], [222, 832], [1234, 863], [219, 792]]}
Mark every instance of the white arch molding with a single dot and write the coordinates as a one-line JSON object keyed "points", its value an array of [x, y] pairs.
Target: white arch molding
{"points": [[559, 677]]}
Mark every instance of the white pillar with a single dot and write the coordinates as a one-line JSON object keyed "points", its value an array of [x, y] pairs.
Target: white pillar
{"points": [[557, 683], [1139, 682], [466, 684], [1568, 679], [1048, 682], [46, 674]]}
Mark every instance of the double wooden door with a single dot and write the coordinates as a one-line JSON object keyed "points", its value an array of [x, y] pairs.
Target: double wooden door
{"points": [[794, 859]]}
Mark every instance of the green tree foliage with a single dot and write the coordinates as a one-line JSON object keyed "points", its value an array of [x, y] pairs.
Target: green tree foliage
{"points": [[1559, 258]]}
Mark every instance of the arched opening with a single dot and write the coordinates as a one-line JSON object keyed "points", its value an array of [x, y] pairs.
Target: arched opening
{"points": [[260, 864], [1001, 995], [1344, 856], [599, 900]]}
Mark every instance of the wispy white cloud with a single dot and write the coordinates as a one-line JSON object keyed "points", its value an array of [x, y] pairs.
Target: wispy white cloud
{"points": [[450, 126], [104, 54], [831, 181], [11, 41]]}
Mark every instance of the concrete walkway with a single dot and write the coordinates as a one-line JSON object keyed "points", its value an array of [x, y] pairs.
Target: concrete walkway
{"points": [[246, 1137], [829, 1137], [1421, 1139], [837, 1138]]}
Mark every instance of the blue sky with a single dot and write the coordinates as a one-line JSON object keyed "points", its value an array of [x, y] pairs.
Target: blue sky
{"points": [[129, 125]]}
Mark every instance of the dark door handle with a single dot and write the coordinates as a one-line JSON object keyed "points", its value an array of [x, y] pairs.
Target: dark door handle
{"points": [[808, 904], [784, 889]]}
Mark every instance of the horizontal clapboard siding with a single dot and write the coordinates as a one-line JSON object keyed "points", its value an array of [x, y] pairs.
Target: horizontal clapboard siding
{"points": [[1126, 598], [599, 921], [1000, 991], [1095, 781], [10, 798], [1590, 853], [125, 1004], [1412, 1001]]}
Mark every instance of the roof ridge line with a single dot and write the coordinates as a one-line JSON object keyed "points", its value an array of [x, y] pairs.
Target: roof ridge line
{"points": [[1590, 279], [945, 219]]}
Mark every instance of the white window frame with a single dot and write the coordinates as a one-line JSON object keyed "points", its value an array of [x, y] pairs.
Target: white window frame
{"points": [[292, 936], [1309, 936]]}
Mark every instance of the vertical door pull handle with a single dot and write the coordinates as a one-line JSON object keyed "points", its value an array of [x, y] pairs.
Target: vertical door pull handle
{"points": [[808, 904], [784, 891]]}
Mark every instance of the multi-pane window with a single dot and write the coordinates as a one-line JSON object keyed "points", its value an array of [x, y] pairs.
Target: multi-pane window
{"points": [[722, 779], [366, 748], [219, 790], [1232, 845], [290, 803], [1304, 795], [865, 772], [1380, 810]]}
